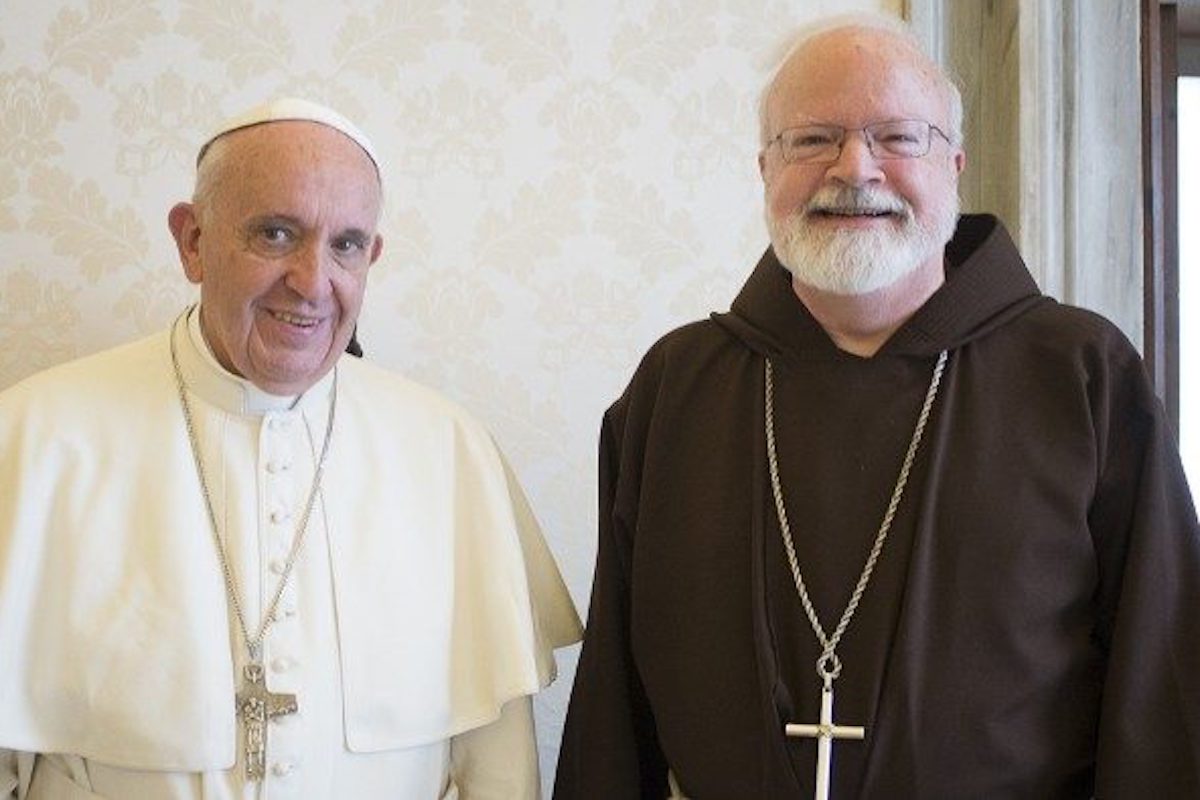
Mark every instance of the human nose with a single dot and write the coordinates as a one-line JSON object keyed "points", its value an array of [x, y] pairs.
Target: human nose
{"points": [[856, 164], [308, 274]]}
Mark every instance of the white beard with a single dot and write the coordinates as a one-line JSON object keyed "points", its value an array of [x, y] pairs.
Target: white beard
{"points": [[857, 262]]}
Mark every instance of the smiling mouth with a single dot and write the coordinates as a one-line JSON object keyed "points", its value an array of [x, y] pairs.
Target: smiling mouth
{"points": [[295, 319], [853, 212]]}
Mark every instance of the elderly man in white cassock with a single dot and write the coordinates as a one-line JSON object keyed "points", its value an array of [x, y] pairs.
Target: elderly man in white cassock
{"points": [[234, 563]]}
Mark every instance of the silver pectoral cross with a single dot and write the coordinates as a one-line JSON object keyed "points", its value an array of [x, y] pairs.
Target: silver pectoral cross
{"points": [[256, 705], [825, 732]]}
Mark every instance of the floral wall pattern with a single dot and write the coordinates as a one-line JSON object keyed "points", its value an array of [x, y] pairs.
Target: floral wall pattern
{"points": [[565, 182]]}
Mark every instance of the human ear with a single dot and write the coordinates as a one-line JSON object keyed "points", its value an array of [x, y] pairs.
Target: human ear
{"points": [[185, 229]]}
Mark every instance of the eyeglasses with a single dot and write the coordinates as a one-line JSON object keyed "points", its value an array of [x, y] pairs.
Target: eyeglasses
{"points": [[822, 144]]}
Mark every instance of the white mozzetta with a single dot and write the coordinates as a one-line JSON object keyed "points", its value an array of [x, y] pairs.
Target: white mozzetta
{"points": [[424, 582]]}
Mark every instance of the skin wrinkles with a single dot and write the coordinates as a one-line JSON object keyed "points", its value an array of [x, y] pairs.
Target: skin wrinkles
{"points": [[852, 77], [281, 244]]}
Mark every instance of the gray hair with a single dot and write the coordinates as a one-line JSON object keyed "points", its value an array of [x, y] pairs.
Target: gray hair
{"points": [[801, 36], [209, 172]]}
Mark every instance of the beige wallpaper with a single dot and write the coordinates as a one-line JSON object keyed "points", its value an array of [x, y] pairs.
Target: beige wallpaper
{"points": [[566, 181]]}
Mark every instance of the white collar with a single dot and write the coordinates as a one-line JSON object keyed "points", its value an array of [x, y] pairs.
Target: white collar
{"points": [[216, 385]]}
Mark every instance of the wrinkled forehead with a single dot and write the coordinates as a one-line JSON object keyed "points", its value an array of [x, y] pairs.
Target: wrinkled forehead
{"points": [[306, 162], [858, 75]]}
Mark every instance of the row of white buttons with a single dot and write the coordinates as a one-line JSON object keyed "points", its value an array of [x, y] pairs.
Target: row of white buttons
{"points": [[277, 466]]}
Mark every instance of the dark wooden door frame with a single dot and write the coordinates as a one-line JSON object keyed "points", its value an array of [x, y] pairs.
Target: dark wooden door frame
{"points": [[1160, 205]]}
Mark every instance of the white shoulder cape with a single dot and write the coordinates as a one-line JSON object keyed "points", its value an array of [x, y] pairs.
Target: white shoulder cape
{"points": [[114, 637]]}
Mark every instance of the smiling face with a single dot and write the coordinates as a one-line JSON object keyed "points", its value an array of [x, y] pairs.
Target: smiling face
{"points": [[860, 223], [280, 243]]}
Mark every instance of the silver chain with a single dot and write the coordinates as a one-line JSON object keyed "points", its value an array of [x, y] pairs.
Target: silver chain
{"points": [[253, 643], [829, 666]]}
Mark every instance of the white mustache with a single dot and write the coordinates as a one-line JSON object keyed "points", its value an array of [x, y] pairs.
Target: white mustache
{"points": [[856, 200]]}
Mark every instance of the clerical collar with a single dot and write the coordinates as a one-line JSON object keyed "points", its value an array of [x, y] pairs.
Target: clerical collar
{"points": [[216, 385]]}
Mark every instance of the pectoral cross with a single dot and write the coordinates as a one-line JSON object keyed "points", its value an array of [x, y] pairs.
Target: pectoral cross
{"points": [[256, 705], [825, 732]]}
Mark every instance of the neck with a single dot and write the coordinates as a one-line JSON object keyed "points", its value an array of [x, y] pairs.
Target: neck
{"points": [[861, 324]]}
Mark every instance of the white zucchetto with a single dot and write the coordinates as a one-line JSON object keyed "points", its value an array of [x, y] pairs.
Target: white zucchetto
{"points": [[291, 108]]}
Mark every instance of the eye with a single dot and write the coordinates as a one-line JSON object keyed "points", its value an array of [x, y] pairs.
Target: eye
{"points": [[275, 235], [808, 138], [899, 137], [350, 245]]}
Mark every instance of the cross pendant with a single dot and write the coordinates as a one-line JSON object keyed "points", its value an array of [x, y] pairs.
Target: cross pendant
{"points": [[257, 705], [825, 732]]}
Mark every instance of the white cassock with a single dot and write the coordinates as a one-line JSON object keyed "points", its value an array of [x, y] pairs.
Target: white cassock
{"points": [[421, 615]]}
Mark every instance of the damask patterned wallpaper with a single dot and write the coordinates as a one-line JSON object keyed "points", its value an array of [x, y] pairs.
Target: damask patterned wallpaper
{"points": [[566, 180]]}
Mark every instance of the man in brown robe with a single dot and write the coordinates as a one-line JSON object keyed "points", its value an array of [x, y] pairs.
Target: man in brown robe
{"points": [[1027, 627]]}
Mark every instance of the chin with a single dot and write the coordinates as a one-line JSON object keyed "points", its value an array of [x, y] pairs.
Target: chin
{"points": [[295, 379], [847, 262], [852, 260]]}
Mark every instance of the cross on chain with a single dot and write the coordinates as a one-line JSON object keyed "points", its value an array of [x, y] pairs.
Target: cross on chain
{"points": [[825, 732], [257, 705]]}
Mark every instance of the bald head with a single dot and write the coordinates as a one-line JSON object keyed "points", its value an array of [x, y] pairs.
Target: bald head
{"points": [[856, 55]]}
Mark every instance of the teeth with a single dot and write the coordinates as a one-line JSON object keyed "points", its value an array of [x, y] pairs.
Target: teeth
{"points": [[294, 319]]}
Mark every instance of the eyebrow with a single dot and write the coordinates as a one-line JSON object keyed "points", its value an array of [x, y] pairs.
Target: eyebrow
{"points": [[286, 220], [357, 233], [265, 220]]}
